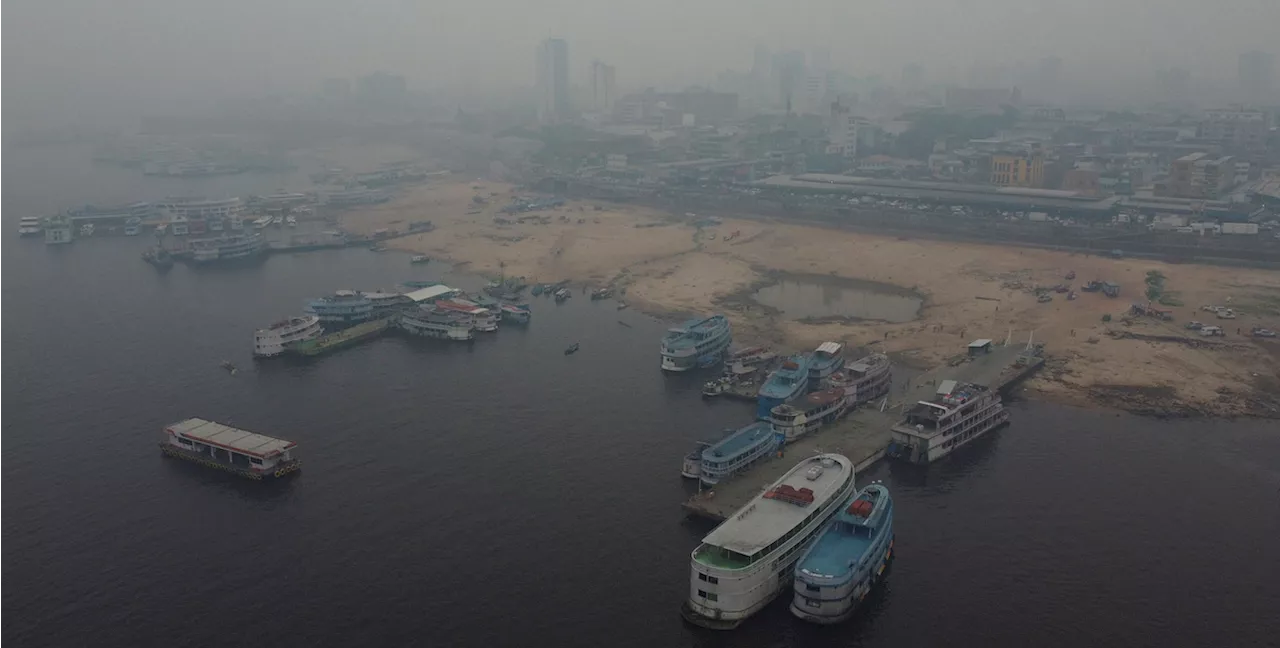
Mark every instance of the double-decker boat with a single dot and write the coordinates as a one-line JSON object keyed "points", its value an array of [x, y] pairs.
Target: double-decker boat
{"points": [[750, 558], [697, 342], [863, 379], [430, 321], [738, 451], [785, 383], [226, 248], [846, 560], [482, 319], [808, 413], [957, 414], [275, 339], [826, 360], [30, 226], [341, 308]]}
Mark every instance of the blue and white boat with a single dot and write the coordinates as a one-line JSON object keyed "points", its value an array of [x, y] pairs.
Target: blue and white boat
{"points": [[787, 382], [827, 359], [696, 343], [341, 308], [847, 559], [738, 451]]}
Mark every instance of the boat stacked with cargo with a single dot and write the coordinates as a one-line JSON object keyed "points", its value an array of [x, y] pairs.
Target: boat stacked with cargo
{"points": [[696, 343], [807, 413], [237, 451], [343, 308], [788, 381], [280, 336], [431, 321], [738, 450], [750, 558], [956, 415], [864, 379], [849, 557]]}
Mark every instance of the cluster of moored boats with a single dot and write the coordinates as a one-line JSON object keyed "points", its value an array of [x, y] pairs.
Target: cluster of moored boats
{"points": [[423, 309]]}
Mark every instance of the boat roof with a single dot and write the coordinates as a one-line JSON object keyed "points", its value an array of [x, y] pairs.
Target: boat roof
{"points": [[864, 365], [744, 439], [429, 292], [225, 436], [762, 521], [830, 348]]}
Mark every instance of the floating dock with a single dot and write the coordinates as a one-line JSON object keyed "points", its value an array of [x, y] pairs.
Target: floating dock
{"points": [[863, 435], [339, 339]]}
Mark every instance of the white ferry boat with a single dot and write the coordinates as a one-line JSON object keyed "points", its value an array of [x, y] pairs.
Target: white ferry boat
{"points": [[696, 343], [482, 319], [274, 339], [57, 230], [750, 558], [179, 226], [342, 308], [226, 248], [192, 208], [863, 379], [262, 223], [133, 226], [958, 414], [30, 226], [804, 415], [428, 321], [226, 448]]}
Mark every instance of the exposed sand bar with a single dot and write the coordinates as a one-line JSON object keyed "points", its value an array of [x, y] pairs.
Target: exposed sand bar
{"points": [[667, 266]]}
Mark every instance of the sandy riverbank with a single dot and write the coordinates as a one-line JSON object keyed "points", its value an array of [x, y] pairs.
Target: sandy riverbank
{"points": [[667, 266]]}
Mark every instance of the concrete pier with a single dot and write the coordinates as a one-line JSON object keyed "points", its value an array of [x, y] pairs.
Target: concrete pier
{"points": [[863, 435]]}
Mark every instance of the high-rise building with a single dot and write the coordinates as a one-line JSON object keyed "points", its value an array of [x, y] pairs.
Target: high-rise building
{"points": [[1255, 72], [603, 87], [912, 77], [788, 67], [553, 81], [842, 131]]}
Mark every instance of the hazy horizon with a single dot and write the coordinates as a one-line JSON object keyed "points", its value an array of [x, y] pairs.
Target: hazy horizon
{"points": [[77, 56]]}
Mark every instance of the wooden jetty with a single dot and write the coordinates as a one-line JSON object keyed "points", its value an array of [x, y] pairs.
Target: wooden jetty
{"points": [[863, 435]]}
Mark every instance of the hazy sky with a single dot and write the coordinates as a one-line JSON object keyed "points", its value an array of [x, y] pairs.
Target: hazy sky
{"points": [[85, 50]]}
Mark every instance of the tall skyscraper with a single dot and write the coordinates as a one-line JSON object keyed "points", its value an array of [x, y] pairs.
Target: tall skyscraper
{"points": [[553, 81], [1255, 72], [603, 90]]}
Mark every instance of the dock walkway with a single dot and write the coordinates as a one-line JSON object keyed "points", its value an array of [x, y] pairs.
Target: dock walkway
{"points": [[863, 435]]}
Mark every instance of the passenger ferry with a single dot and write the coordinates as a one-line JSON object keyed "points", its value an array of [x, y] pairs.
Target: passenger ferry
{"points": [[515, 313], [199, 208], [804, 415], [847, 559], [30, 226], [697, 342], [274, 339], [738, 451], [179, 226], [958, 414], [341, 308], [827, 359], [226, 248], [432, 322], [787, 382], [482, 319], [57, 230], [750, 558], [386, 304], [226, 448], [262, 223], [864, 379], [692, 466], [133, 226]]}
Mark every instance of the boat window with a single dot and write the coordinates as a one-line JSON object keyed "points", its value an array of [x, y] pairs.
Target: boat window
{"points": [[183, 441], [813, 588], [712, 596], [713, 580], [255, 460]]}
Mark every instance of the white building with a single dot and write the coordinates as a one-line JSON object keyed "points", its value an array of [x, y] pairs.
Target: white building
{"points": [[842, 130]]}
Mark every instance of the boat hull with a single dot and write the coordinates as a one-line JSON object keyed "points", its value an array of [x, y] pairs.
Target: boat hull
{"points": [[831, 612], [282, 471]]}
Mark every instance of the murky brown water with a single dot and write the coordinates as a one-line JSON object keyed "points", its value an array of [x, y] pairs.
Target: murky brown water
{"points": [[820, 297]]}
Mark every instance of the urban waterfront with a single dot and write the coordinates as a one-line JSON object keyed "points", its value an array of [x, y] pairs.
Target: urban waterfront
{"points": [[501, 493]]}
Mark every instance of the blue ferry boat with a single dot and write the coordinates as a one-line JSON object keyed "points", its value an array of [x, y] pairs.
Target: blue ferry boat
{"points": [[696, 343], [738, 451], [342, 308], [848, 558], [827, 359], [787, 382]]}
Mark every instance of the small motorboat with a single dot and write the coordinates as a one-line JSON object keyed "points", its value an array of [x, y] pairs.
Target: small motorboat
{"points": [[231, 368], [291, 221], [714, 388], [421, 258], [622, 305], [573, 348]]}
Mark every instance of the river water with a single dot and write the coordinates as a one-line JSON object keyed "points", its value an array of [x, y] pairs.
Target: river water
{"points": [[502, 493]]}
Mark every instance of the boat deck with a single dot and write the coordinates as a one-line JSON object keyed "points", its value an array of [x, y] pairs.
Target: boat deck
{"points": [[833, 552], [862, 435], [225, 436]]}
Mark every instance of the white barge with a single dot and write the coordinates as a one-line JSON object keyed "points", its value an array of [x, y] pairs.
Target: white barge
{"points": [[237, 451], [746, 561]]}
